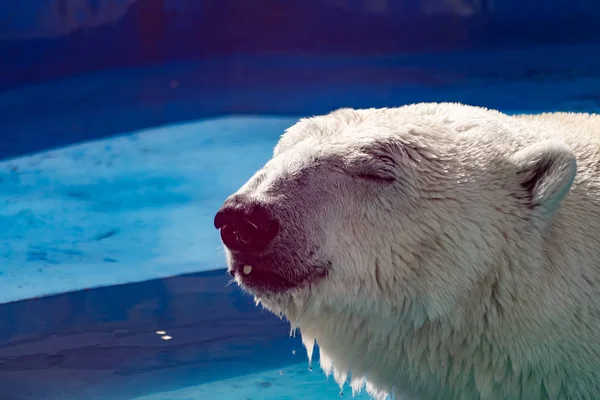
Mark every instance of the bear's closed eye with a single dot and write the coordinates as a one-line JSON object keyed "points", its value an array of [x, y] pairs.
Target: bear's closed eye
{"points": [[376, 178]]}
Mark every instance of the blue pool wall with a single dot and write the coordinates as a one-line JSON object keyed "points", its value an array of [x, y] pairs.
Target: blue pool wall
{"points": [[45, 39], [256, 56]]}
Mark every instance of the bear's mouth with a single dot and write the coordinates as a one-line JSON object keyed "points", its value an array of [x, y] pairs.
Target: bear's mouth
{"points": [[258, 280]]}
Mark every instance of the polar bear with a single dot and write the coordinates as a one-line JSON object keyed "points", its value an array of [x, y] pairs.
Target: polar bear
{"points": [[433, 251]]}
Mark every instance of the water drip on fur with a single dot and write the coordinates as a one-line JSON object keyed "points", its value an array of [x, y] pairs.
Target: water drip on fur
{"points": [[309, 344], [340, 378]]}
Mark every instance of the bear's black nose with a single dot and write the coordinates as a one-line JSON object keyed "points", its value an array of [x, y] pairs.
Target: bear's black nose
{"points": [[246, 227]]}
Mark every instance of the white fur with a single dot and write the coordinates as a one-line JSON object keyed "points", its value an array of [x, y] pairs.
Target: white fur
{"points": [[458, 281]]}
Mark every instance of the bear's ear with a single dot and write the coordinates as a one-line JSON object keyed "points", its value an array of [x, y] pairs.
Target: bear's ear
{"points": [[546, 171]]}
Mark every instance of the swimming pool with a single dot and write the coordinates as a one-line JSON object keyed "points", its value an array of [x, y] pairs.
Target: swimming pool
{"points": [[112, 279]]}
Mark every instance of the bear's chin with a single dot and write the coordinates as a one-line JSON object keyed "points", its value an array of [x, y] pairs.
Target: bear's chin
{"points": [[266, 283]]}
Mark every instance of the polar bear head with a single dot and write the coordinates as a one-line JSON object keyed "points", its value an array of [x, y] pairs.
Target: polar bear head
{"points": [[367, 224]]}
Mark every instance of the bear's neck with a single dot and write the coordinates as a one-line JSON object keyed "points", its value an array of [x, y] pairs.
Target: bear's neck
{"points": [[416, 358], [410, 361]]}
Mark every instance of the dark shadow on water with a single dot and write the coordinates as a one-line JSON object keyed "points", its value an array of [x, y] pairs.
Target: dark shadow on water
{"points": [[99, 342]]}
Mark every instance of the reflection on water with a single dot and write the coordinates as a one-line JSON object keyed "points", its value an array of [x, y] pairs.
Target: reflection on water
{"points": [[135, 339]]}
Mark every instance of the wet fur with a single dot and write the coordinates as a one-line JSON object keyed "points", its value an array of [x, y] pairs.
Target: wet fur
{"points": [[472, 274]]}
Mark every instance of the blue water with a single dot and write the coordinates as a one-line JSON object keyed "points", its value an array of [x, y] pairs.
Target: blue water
{"points": [[112, 280], [102, 344]]}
